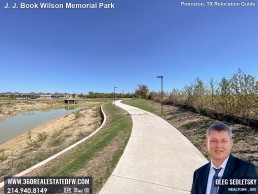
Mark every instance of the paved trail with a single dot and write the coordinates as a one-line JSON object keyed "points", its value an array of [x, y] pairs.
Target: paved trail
{"points": [[158, 159]]}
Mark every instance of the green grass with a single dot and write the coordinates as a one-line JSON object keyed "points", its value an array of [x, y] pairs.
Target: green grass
{"points": [[143, 104], [78, 158]]}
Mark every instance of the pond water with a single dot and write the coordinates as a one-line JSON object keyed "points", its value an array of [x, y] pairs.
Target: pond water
{"points": [[17, 125]]}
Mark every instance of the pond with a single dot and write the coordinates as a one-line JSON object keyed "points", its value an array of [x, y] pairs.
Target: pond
{"points": [[19, 124]]}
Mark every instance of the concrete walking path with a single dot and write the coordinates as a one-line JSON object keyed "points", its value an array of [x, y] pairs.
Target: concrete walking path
{"points": [[157, 158]]}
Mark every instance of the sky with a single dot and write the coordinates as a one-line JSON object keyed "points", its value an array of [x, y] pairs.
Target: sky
{"points": [[82, 50]]}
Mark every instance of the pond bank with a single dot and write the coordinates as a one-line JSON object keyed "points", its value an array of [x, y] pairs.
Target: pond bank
{"points": [[43, 141], [11, 108], [19, 124]]}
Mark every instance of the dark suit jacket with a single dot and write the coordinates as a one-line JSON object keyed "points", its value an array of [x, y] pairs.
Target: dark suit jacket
{"points": [[235, 168]]}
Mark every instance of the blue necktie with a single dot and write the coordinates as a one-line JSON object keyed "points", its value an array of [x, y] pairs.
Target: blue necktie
{"points": [[214, 188]]}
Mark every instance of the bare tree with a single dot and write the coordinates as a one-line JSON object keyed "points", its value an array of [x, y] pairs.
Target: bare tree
{"points": [[212, 86], [188, 92], [244, 90], [225, 92], [199, 94]]}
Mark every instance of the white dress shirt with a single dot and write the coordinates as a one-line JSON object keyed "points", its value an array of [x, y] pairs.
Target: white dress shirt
{"points": [[212, 173]]}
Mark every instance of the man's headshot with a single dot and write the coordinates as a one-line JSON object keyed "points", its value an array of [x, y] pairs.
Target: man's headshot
{"points": [[219, 143], [223, 164]]}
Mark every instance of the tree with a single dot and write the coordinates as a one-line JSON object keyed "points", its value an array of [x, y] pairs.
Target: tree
{"points": [[188, 92], [141, 91], [244, 90], [176, 97], [225, 97], [198, 94], [212, 88], [153, 95]]}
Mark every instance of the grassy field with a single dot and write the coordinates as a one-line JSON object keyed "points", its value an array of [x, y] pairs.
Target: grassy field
{"points": [[98, 156], [143, 104], [193, 126]]}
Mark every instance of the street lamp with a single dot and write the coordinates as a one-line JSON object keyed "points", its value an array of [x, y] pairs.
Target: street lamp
{"points": [[123, 94], [161, 79], [115, 95]]}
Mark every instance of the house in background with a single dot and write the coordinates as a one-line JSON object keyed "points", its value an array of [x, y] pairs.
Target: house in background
{"points": [[45, 97]]}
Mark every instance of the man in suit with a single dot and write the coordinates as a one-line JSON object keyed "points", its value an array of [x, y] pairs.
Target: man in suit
{"points": [[219, 143]]}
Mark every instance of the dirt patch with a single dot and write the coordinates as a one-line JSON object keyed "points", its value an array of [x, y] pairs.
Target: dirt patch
{"points": [[47, 139]]}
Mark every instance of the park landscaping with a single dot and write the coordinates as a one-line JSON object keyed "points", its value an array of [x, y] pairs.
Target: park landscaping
{"points": [[98, 156]]}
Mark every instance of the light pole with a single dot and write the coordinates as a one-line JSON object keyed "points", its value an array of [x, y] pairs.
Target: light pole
{"points": [[115, 95], [123, 94], [161, 79]]}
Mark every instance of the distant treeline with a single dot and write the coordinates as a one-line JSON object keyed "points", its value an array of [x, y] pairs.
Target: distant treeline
{"points": [[14, 96], [107, 95], [233, 99]]}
